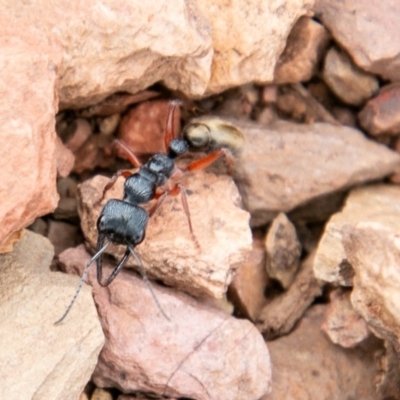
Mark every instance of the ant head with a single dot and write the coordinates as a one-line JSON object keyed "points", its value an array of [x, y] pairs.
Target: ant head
{"points": [[177, 147], [122, 223]]}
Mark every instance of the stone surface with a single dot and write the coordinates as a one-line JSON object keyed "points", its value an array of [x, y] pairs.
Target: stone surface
{"points": [[286, 164], [352, 85], [62, 235], [192, 47], [169, 252], [363, 204], [381, 115], [306, 365], [199, 353], [142, 128], [279, 316], [296, 102], [64, 158], [303, 52], [367, 30], [32, 298], [342, 324], [28, 105], [373, 249], [248, 285], [283, 250]]}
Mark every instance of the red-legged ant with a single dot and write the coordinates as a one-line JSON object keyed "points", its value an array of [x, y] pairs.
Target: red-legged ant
{"points": [[124, 222]]}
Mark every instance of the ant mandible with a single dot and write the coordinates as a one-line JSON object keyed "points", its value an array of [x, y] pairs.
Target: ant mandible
{"points": [[124, 222]]}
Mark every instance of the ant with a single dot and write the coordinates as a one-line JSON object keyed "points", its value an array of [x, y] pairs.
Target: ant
{"points": [[124, 222]]}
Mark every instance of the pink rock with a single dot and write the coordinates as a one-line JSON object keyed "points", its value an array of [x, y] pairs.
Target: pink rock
{"points": [[342, 323], [169, 252], [363, 28], [303, 52], [199, 353], [247, 288], [306, 365], [28, 104], [65, 159]]}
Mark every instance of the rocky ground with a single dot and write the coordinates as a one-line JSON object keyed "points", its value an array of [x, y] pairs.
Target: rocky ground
{"points": [[289, 286]]}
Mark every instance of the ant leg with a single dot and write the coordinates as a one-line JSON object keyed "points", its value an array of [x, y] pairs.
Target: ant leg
{"points": [[129, 153], [82, 280], [126, 173], [169, 128], [114, 273], [209, 159], [146, 279], [160, 199]]}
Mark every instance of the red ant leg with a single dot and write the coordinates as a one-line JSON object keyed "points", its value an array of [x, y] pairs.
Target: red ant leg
{"points": [[209, 159], [169, 129], [125, 172], [129, 153], [178, 188]]}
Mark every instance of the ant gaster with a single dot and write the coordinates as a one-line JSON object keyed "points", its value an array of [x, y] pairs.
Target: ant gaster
{"points": [[124, 222]]}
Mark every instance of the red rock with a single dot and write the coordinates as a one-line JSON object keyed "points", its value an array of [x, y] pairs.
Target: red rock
{"points": [[142, 128], [199, 353], [81, 132], [381, 115]]}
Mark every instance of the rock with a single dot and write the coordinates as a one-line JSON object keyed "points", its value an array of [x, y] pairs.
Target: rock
{"points": [[200, 353], [372, 248], [169, 252], [283, 250], [352, 85], [63, 235], [96, 152], [342, 324], [277, 172], [191, 47], [67, 206], [307, 365], [248, 285], [363, 204], [281, 314], [101, 394], [28, 105], [117, 104], [142, 128], [363, 28], [304, 49], [65, 159], [78, 131], [32, 298], [381, 115], [298, 103], [109, 125], [388, 377], [246, 48]]}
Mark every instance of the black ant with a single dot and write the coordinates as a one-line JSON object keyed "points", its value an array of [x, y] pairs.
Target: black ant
{"points": [[124, 222]]}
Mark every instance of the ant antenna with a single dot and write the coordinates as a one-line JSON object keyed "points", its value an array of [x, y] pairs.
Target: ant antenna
{"points": [[80, 284], [146, 280]]}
